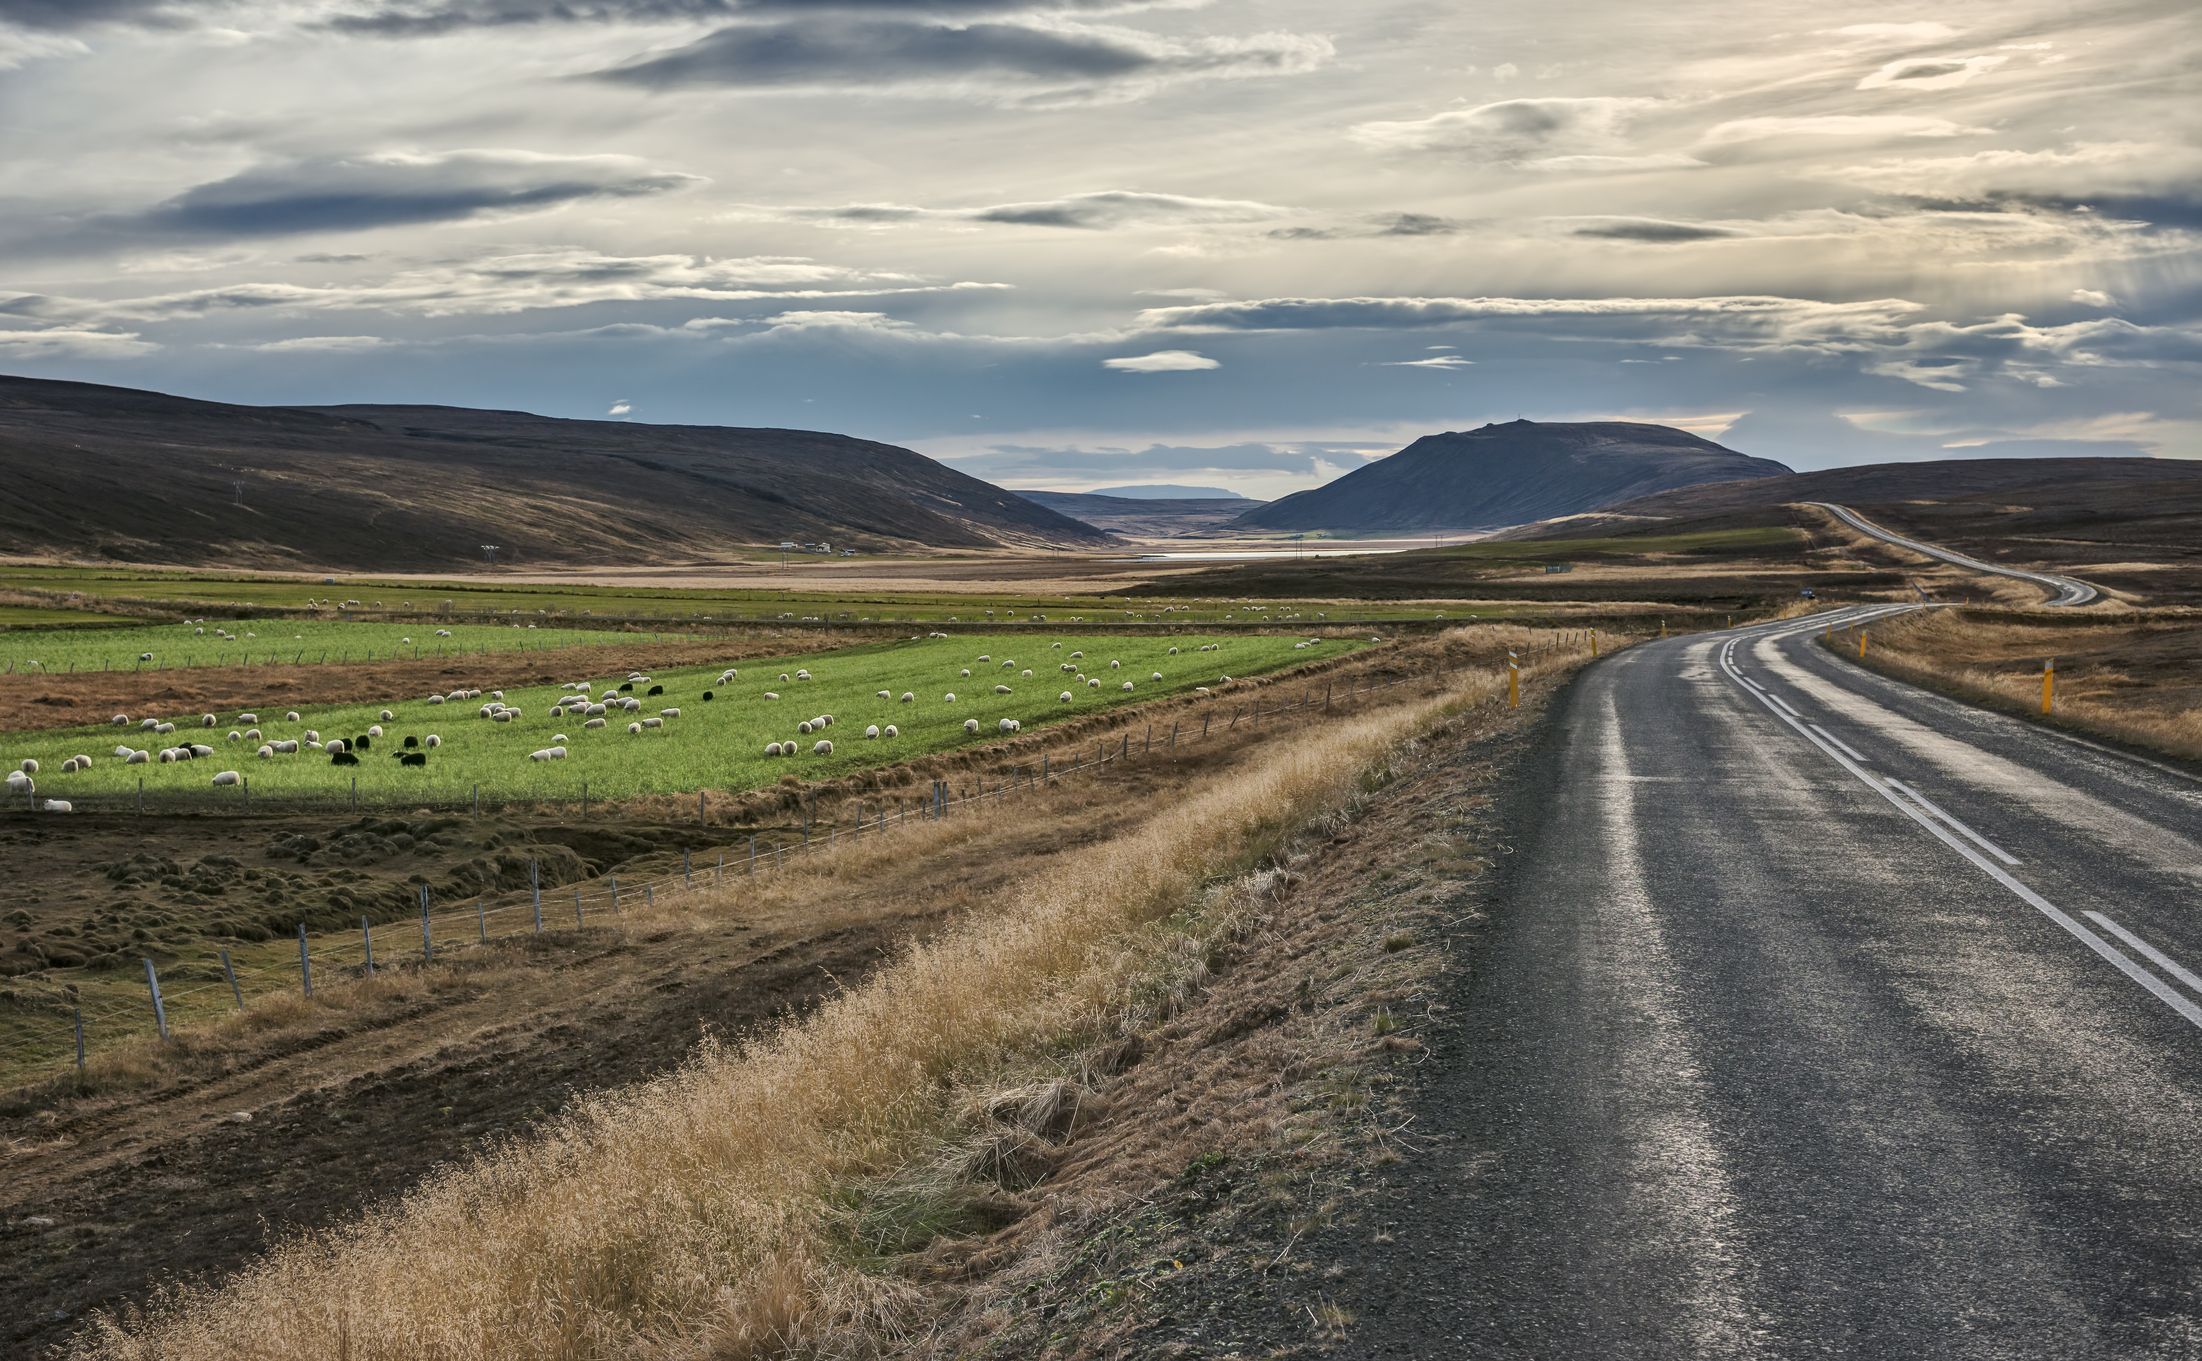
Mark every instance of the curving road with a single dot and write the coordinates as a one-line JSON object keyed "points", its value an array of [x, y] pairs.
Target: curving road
{"points": [[2062, 590], [1816, 1016]]}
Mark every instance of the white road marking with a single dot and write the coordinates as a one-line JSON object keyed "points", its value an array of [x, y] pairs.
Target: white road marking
{"points": [[1840, 745], [2118, 959], [1783, 703], [1959, 827], [2069, 590], [2155, 956]]}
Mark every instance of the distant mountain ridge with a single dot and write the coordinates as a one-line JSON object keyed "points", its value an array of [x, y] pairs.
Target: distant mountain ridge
{"points": [[1509, 474], [1145, 517], [118, 473], [1168, 491]]}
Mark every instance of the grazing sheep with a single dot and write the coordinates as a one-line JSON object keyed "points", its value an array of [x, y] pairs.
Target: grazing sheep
{"points": [[435, 699], [965, 672], [669, 713], [594, 710], [342, 758], [18, 781], [593, 723], [908, 697], [1025, 674], [228, 777], [1063, 698], [783, 676], [248, 718], [803, 727], [772, 694], [336, 744], [502, 716], [1127, 687], [201, 749], [496, 694], [120, 720], [208, 720], [137, 758], [68, 767], [634, 728], [292, 716], [655, 690], [313, 734], [707, 696], [653, 723], [375, 729], [1057, 645], [58, 806], [30, 767], [123, 750], [1114, 664], [629, 705], [1076, 655], [772, 748], [363, 743], [410, 742], [984, 658], [265, 753], [412, 758], [871, 732], [431, 741], [443, 633], [287, 748], [884, 694], [145, 656], [146, 724], [543, 755], [949, 698], [252, 734], [1173, 652], [1008, 725], [802, 675], [822, 748], [893, 731], [164, 728], [971, 725]]}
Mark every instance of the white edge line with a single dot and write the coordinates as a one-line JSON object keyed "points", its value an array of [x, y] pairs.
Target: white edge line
{"points": [[1840, 745], [2163, 991], [1954, 823], [2162, 960]]}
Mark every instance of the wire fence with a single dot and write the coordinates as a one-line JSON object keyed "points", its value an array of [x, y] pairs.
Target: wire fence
{"points": [[218, 985]]}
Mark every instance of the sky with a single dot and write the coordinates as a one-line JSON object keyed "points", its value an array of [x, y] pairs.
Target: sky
{"points": [[1249, 244]]}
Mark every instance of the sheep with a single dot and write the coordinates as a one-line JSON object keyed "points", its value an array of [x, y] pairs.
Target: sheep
{"points": [[633, 729], [893, 731], [1025, 674], [208, 720], [653, 723], [248, 718], [1076, 655], [501, 716], [435, 699], [137, 758], [312, 734], [266, 752], [145, 656], [803, 727], [120, 720], [871, 732], [362, 742], [1114, 664], [443, 633], [342, 758], [201, 749], [1068, 669], [292, 716], [595, 711], [884, 694], [971, 725], [336, 744], [822, 748], [949, 698], [68, 767], [1173, 652], [1156, 676], [669, 713], [655, 690], [1127, 687], [802, 675], [965, 673], [1008, 725], [412, 758], [164, 728], [313, 746], [543, 755], [592, 724], [1055, 645], [431, 741], [287, 748], [228, 777], [30, 767], [707, 696], [772, 694], [908, 697], [629, 705], [147, 724], [984, 658], [496, 694], [772, 748], [252, 734], [19, 782], [784, 677], [375, 729], [1063, 698], [58, 806]]}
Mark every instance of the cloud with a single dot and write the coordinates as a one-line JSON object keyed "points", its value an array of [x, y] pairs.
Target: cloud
{"points": [[1930, 73], [72, 343], [522, 282], [1778, 132], [1162, 361], [352, 193], [1738, 314], [1652, 231], [325, 344], [1441, 362], [990, 61], [416, 18], [622, 407], [1520, 131], [1157, 461], [1102, 210], [76, 14], [2093, 297]]}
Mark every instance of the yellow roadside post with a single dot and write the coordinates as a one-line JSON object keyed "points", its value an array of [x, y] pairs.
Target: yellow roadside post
{"points": [[2049, 685], [1594, 643], [1513, 681], [1861, 645], [1662, 628]]}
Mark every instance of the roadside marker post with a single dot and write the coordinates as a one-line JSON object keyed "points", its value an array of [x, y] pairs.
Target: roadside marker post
{"points": [[1861, 645], [236, 993], [80, 1043], [305, 963], [1594, 644], [153, 985], [367, 942], [428, 944], [1513, 682], [535, 892], [2049, 685]]}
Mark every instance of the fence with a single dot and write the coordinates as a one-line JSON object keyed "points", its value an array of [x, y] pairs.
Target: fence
{"points": [[539, 910], [322, 657]]}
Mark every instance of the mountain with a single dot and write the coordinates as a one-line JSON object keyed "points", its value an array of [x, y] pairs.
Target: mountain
{"points": [[1169, 491], [105, 472], [1148, 518], [1508, 475]]}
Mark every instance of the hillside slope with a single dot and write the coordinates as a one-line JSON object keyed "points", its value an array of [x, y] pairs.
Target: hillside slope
{"points": [[1147, 517], [1508, 475], [117, 473]]}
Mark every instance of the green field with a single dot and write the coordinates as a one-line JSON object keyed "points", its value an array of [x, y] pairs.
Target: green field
{"points": [[575, 603], [42, 616], [716, 744], [1705, 543], [260, 642]]}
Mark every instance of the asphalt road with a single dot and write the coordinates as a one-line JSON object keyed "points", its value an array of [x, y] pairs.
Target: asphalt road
{"points": [[1815, 1016], [2062, 590]]}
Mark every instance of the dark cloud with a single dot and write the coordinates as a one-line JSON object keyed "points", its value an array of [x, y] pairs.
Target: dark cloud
{"points": [[1652, 231], [428, 17], [1418, 224], [889, 53], [1926, 70], [352, 193], [1156, 460], [1102, 210], [72, 14]]}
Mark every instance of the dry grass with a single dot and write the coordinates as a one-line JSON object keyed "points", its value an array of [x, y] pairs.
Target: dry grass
{"points": [[2133, 677], [698, 1216]]}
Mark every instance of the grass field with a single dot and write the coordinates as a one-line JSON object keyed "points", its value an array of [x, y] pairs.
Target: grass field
{"points": [[1707, 543], [271, 642], [714, 744], [213, 591], [42, 616]]}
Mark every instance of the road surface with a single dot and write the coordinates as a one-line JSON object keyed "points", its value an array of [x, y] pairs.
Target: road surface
{"points": [[1816, 1016], [2062, 590]]}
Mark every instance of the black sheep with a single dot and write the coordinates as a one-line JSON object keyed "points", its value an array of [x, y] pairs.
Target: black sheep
{"points": [[626, 687], [657, 689], [362, 743], [412, 742], [707, 696], [412, 758], [342, 758]]}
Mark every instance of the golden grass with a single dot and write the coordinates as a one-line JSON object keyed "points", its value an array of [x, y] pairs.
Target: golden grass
{"points": [[695, 1216]]}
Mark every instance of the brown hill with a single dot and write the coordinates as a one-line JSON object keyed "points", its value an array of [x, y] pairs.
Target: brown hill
{"points": [[117, 473], [1156, 517], [1508, 474]]}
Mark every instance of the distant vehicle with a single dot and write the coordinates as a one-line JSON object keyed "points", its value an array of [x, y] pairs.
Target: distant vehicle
{"points": [[848, 552], [1808, 594]]}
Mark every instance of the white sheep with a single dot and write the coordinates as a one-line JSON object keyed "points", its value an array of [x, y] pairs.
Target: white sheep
{"points": [[208, 720], [884, 694], [1025, 674], [771, 694], [653, 723], [228, 777], [1093, 684], [1156, 676], [337, 744], [802, 675], [137, 758], [120, 720], [431, 741], [966, 672], [375, 729], [248, 718], [1173, 652], [147, 724], [822, 748], [265, 753], [30, 767], [58, 806], [1114, 664], [1076, 655], [1063, 698], [252, 734], [971, 725], [634, 728], [201, 749], [669, 713], [1054, 644], [871, 732], [949, 698], [593, 723], [1009, 725], [292, 716], [803, 727], [909, 697], [594, 711], [122, 751], [500, 716], [893, 731], [145, 656], [287, 748], [18, 781], [496, 694], [164, 728], [1127, 687]]}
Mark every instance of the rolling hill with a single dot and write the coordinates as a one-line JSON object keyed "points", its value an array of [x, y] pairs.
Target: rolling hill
{"points": [[1508, 474], [1145, 517], [120, 474]]}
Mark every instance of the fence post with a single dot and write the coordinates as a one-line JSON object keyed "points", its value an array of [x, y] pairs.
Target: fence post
{"points": [[236, 993], [153, 985], [752, 870], [481, 919], [1124, 752], [80, 1043], [1173, 734], [428, 944], [687, 871], [535, 893], [367, 943], [649, 896], [615, 892], [305, 963], [477, 798], [577, 904], [699, 806], [1043, 767], [1149, 744]]}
